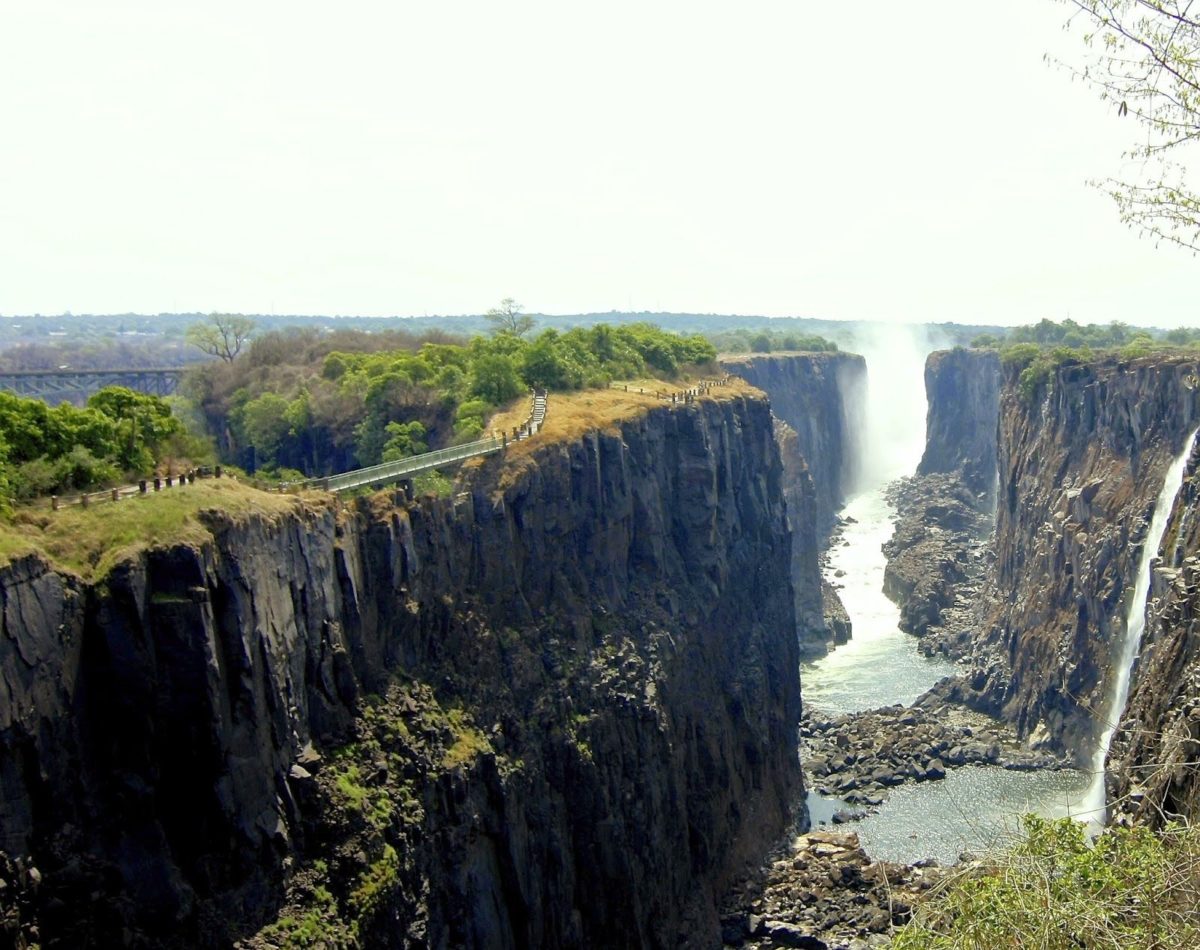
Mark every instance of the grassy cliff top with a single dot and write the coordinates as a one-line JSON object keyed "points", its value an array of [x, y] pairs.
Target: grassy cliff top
{"points": [[572, 415], [724, 358], [90, 541]]}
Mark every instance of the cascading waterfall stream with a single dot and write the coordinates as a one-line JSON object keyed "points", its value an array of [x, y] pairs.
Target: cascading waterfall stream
{"points": [[1095, 802]]}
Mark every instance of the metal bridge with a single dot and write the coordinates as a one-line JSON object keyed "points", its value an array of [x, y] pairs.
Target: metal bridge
{"points": [[79, 384], [417, 464]]}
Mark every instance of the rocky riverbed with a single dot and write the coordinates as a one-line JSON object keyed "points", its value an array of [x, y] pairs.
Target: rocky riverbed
{"points": [[821, 889], [858, 756], [824, 893], [937, 560]]}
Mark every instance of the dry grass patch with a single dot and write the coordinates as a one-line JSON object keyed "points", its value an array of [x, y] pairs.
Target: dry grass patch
{"points": [[572, 415], [90, 541]]}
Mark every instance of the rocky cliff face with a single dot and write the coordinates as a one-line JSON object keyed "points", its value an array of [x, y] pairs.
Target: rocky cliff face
{"points": [[945, 512], [821, 618], [963, 391], [817, 401], [1081, 464], [1152, 771], [820, 395], [558, 709]]}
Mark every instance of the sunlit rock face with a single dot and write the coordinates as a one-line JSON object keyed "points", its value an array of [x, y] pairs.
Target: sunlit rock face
{"points": [[963, 392], [1081, 462]]}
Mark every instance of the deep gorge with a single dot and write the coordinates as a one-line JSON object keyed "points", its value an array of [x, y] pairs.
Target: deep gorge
{"points": [[560, 707]]}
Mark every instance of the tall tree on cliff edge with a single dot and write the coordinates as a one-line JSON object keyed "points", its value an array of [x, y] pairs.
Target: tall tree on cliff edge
{"points": [[1145, 58]]}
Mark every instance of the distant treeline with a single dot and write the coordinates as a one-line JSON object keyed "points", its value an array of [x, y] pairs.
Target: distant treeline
{"points": [[770, 341], [299, 401], [88, 341], [1071, 334]]}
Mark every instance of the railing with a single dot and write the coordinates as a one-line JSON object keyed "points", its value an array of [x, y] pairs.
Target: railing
{"points": [[691, 394], [404, 468], [417, 464]]}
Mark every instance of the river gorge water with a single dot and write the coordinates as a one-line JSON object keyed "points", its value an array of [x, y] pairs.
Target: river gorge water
{"points": [[974, 808]]}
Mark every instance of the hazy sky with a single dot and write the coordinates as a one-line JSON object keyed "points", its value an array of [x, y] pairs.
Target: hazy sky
{"points": [[867, 160]]}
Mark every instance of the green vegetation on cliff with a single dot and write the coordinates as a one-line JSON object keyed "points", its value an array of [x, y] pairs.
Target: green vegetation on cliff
{"points": [[119, 435], [316, 404], [1036, 351], [1131, 888]]}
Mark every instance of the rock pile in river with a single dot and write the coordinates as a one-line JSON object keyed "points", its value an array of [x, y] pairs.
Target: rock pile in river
{"points": [[824, 893], [856, 756], [937, 560]]}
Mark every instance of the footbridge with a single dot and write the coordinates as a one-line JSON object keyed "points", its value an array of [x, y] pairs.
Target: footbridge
{"points": [[402, 469]]}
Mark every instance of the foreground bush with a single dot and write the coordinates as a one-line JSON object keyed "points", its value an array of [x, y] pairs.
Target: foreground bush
{"points": [[1132, 889]]}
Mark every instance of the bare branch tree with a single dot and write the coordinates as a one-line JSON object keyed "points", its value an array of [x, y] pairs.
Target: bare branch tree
{"points": [[1146, 60], [222, 335], [508, 318]]}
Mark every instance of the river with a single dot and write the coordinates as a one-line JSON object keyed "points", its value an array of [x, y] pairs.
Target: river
{"points": [[974, 808]]}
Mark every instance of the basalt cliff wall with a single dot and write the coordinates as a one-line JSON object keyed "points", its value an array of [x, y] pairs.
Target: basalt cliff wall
{"points": [[820, 395], [963, 392], [817, 400], [558, 709], [1081, 459], [945, 512]]}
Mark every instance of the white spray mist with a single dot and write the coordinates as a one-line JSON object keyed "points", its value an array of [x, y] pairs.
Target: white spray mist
{"points": [[893, 407]]}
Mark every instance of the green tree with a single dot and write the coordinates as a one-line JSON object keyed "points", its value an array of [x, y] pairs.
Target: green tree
{"points": [[222, 335], [494, 378], [144, 423], [547, 364], [265, 424], [404, 439], [1144, 60], [508, 318]]}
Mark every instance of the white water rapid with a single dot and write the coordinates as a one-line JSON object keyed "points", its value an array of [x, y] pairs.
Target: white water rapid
{"points": [[1095, 802]]}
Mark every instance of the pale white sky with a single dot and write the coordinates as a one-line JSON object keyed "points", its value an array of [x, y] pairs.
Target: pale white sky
{"points": [[872, 160]]}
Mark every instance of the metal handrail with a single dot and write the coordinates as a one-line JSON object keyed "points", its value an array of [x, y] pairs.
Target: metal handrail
{"points": [[416, 464], [412, 465]]}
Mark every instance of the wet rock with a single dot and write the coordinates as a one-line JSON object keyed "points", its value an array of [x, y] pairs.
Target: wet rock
{"points": [[882, 748]]}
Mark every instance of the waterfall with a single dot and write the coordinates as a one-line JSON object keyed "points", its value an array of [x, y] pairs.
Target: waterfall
{"points": [[1095, 801]]}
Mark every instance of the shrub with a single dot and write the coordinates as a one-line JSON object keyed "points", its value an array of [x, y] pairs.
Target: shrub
{"points": [[1132, 888]]}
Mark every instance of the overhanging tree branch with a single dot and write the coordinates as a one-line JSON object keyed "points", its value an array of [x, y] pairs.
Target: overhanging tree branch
{"points": [[1146, 59]]}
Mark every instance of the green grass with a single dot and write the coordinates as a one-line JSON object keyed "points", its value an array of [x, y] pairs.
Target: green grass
{"points": [[469, 742], [1056, 891], [375, 882], [91, 541]]}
